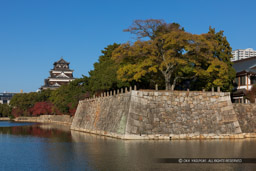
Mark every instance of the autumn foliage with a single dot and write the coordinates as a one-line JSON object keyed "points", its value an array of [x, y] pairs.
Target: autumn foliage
{"points": [[42, 108]]}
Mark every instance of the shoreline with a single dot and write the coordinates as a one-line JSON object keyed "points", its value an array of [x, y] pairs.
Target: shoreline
{"points": [[5, 119], [210, 136], [57, 119], [68, 121]]}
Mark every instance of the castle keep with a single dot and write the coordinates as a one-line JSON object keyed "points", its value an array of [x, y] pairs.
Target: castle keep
{"points": [[59, 75]]}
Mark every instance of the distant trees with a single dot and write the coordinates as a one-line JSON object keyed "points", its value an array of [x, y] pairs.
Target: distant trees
{"points": [[5, 110], [42, 108], [23, 103], [66, 98]]}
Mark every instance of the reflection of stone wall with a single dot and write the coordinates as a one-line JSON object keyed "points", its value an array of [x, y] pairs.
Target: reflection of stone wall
{"points": [[146, 114], [246, 114], [61, 119]]}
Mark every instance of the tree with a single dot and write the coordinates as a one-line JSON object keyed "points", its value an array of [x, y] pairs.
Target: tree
{"points": [[203, 60], [145, 28], [151, 28], [5, 110], [170, 51], [104, 75], [42, 108], [67, 97], [21, 103], [219, 70]]}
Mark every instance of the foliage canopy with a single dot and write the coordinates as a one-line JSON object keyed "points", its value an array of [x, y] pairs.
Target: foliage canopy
{"points": [[174, 55]]}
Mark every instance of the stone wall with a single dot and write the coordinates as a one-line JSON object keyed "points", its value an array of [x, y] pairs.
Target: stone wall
{"points": [[60, 119], [151, 114], [105, 116], [246, 114], [182, 113]]}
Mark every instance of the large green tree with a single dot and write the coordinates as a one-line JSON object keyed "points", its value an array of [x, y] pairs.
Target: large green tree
{"points": [[104, 75], [219, 71], [171, 53]]}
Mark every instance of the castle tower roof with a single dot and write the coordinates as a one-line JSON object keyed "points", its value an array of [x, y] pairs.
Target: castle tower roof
{"points": [[61, 61]]}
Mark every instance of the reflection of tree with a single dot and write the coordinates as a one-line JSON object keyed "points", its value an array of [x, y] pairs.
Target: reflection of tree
{"points": [[37, 131]]}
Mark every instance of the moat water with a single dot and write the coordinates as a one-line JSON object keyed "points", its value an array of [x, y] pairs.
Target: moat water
{"points": [[29, 146]]}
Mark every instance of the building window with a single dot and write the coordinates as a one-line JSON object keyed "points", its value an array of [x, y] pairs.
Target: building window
{"points": [[253, 79], [236, 80], [242, 80]]}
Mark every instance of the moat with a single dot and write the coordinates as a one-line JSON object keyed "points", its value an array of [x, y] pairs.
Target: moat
{"points": [[31, 146]]}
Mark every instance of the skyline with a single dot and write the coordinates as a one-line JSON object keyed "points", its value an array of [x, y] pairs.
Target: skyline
{"points": [[34, 35]]}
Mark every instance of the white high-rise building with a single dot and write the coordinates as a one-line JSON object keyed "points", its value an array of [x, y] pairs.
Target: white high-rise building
{"points": [[243, 54]]}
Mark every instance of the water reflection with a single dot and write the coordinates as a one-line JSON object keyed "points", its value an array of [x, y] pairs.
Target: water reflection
{"points": [[141, 155], [38, 130], [55, 147]]}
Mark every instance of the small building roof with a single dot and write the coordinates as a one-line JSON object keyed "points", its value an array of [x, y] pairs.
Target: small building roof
{"points": [[247, 64], [239, 93]]}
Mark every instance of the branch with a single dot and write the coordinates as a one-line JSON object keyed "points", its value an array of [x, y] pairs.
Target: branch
{"points": [[179, 77]]}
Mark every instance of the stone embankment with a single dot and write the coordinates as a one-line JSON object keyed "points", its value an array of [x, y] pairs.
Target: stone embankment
{"points": [[246, 114], [161, 115], [59, 119], [4, 119]]}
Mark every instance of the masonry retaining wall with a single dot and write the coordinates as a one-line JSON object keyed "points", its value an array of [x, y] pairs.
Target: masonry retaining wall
{"points": [[246, 114], [159, 115]]}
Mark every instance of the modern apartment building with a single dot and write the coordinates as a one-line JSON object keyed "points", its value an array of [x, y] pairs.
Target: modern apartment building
{"points": [[243, 54]]}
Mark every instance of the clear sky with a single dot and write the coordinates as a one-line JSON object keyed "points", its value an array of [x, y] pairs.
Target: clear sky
{"points": [[36, 33]]}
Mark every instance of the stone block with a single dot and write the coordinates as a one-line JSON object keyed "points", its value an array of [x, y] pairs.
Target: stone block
{"points": [[156, 93], [212, 99], [137, 123], [134, 130], [229, 118], [183, 136], [238, 130], [156, 120], [236, 124]]}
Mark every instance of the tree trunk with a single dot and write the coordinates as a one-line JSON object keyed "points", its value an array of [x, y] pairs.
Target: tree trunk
{"points": [[167, 83]]}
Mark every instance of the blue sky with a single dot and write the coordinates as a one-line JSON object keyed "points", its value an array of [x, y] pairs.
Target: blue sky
{"points": [[36, 33]]}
